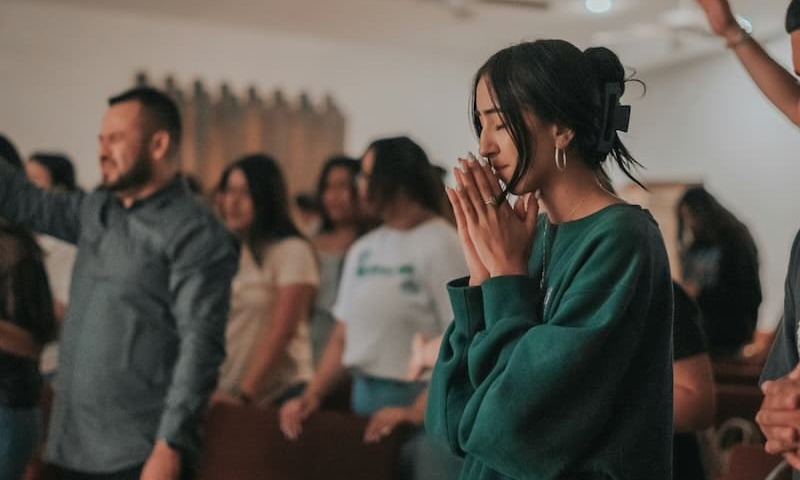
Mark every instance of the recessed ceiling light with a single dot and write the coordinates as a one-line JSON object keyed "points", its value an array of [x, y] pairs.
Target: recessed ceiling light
{"points": [[598, 6]]}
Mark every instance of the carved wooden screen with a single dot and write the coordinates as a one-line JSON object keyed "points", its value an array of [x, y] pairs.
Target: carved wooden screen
{"points": [[218, 129]]}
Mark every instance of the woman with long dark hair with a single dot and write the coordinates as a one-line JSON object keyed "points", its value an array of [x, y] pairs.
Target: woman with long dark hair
{"points": [[393, 286], [558, 364], [341, 225], [27, 322], [268, 346], [719, 263]]}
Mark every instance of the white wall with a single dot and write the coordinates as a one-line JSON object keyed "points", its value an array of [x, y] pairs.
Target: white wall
{"points": [[707, 121], [700, 121], [59, 64]]}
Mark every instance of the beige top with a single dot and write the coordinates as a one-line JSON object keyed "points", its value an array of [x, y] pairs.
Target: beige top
{"points": [[290, 261]]}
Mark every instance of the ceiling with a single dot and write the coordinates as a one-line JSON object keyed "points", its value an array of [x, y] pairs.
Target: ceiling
{"points": [[463, 30]]}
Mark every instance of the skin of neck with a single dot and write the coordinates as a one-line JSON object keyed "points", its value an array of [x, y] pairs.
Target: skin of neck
{"points": [[403, 213], [574, 193]]}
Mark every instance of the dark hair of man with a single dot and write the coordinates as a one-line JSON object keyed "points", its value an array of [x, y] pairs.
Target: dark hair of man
{"points": [[402, 166], [60, 168], [351, 165], [715, 223], [9, 152], [161, 110], [559, 84], [271, 218]]}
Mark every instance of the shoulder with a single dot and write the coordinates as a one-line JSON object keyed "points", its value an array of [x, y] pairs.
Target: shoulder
{"points": [[291, 247], [438, 232], [370, 238], [626, 225], [197, 232], [620, 240]]}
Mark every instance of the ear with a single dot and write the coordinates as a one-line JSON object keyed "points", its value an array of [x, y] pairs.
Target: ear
{"points": [[159, 145], [562, 136]]}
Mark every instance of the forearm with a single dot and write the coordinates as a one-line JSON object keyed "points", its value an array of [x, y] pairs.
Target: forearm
{"points": [[268, 353], [691, 411], [17, 341], [778, 84], [330, 367], [53, 213], [417, 409], [694, 399]]}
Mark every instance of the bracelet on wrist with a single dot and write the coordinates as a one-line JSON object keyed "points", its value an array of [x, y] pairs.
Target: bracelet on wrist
{"points": [[738, 39]]}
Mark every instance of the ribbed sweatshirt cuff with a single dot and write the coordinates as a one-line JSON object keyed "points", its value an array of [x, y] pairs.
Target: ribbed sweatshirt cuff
{"points": [[509, 296], [467, 305]]}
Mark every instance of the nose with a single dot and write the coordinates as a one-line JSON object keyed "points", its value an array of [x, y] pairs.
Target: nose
{"points": [[487, 147], [102, 149]]}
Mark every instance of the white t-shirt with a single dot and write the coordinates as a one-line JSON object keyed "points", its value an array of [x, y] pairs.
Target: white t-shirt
{"points": [[393, 286], [59, 257], [290, 261]]}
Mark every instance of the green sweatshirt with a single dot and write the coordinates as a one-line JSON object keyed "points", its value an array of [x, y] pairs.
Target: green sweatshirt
{"points": [[565, 374]]}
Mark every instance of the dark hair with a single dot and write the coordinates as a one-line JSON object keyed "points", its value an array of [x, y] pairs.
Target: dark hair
{"points": [[715, 222], [24, 285], [161, 109], [60, 168], [352, 166], [561, 85], [9, 152], [25, 296], [271, 218], [192, 183], [307, 202], [402, 166]]}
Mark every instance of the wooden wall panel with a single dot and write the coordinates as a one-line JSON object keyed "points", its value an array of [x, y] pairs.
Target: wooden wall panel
{"points": [[220, 128]]}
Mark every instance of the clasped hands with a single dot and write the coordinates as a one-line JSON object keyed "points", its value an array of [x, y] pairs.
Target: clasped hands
{"points": [[779, 416], [496, 237]]}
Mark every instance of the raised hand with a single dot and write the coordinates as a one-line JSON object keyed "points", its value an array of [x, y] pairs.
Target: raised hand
{"points": [[720, 17]]}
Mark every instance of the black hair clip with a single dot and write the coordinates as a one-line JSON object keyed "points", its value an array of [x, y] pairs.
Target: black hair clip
{"points": [[793, 16], [616, 117]]}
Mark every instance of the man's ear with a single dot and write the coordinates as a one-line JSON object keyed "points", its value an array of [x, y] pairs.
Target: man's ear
{"points": [[159, 145]]}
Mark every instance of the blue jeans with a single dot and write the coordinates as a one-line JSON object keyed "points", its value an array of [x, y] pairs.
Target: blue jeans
{"points": [[19, 435], [421, 458]]}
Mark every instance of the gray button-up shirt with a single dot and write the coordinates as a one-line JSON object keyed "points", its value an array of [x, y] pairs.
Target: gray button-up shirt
{"points": [[144, 333]]}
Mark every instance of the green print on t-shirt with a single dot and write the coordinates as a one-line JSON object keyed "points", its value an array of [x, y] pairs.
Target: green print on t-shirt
{"points": [[365, 269]]}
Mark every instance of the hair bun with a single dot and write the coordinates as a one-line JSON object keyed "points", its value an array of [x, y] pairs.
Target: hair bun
{"points": [[606, 66]]}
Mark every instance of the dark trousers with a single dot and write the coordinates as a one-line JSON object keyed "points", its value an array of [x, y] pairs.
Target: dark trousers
{"points": [[127, 474]]}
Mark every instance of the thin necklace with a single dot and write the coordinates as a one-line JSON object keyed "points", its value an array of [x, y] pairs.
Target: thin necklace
{"points": [[544, 253]]}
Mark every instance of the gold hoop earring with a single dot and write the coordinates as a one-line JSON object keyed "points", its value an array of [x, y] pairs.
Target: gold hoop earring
{"points": [[561, 159]]}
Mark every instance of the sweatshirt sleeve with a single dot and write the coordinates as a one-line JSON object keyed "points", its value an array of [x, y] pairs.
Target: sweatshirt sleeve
{"points": [[54, 213], [450, 388], [783, 356], [520, 395]]}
